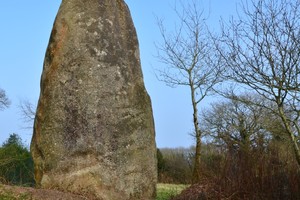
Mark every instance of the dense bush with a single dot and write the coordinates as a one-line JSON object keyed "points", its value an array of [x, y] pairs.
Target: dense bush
{"points": [[16, 165], [174, 165], [270, 172]]}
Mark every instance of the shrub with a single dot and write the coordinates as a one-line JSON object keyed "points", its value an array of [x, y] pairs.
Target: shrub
{"points": [[16, 165]]}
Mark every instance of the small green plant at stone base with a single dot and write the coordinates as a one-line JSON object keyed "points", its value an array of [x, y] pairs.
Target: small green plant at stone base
{"points": [[167, 191]]}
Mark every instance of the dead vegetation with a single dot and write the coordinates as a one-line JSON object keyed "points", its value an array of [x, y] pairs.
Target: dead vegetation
{"points": [[26, 193]]}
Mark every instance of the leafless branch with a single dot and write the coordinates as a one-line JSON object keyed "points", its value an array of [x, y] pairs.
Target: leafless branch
{"points": [[4, 101], [27, 110], [262, 51]]}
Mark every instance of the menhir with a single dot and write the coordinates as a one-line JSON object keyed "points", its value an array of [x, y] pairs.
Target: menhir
{"points": [[94, 129]]}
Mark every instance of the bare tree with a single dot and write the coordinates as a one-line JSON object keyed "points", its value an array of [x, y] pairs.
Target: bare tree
{"points": [[255, 152], [190, 61], [262, 50], [239, 125], [4, 101], [27, 110]]}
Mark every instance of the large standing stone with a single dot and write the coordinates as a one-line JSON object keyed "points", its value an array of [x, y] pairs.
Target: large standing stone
{"points": [[94, 130]]}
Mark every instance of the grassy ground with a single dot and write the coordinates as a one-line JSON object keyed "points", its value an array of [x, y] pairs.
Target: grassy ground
{"points": [[166, 191]]}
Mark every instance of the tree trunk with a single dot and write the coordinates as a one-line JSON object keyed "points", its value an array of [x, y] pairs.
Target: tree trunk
{"points": [[291, 134], [197, 164]]}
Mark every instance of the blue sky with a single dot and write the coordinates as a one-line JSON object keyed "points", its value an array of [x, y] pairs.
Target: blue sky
{"points": [[24, 35]]}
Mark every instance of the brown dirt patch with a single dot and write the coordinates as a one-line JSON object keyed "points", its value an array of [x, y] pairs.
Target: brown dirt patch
{"points": [[26, 193]]}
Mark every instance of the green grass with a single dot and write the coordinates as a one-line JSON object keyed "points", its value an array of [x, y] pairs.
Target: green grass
{"points": [[166, 191]]}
